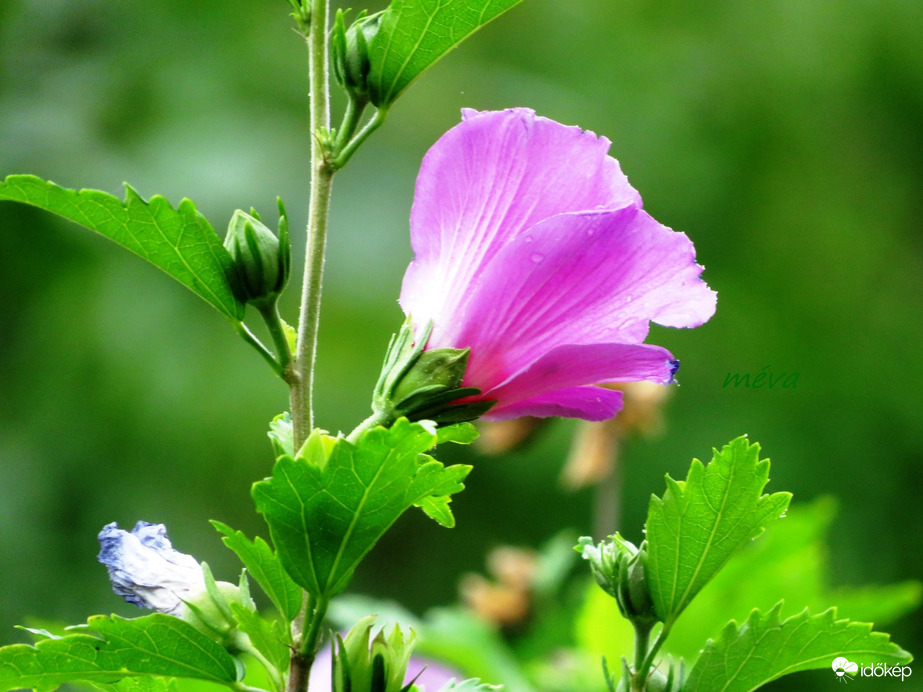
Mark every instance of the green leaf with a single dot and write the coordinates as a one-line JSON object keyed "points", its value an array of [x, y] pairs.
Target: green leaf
{"points": [[415, 34], [179, 241], [264, 566], [459, 433], [115, 648], [791, 559], [698, 524], [326, 512], [765, 648]]}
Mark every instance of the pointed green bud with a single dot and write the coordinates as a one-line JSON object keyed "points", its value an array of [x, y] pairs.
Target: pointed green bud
{"points": [[619, 568], [424, 385], [351, 65], [381, 666], [261, 261]]}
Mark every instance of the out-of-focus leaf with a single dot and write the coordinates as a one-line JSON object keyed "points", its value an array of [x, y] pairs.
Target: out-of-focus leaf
{"points": [[179, 241], [791, 559]]}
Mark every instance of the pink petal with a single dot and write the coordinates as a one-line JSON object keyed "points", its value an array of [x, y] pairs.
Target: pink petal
{"points": [[575, 365], [593, 277], [485, 182], [589, 403]]}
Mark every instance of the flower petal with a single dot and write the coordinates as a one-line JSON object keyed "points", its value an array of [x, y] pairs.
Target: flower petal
{"points": [[145, 569], [588, 403], [485, 182], [575, 365], [592, 277]]}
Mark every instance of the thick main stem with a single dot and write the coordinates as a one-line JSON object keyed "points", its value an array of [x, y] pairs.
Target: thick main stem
{"points": [[302, 391]]}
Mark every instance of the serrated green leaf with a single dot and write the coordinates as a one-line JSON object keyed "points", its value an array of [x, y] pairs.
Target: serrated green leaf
{"points": [[264, 566], [765, 648], [698, 524], [791, 560], [179, 241], [437, 509], [325, 514], [415, 34], [116, 648]]}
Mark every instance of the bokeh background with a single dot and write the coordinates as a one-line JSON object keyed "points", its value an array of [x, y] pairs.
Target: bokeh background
{"points": [[785, 137]]}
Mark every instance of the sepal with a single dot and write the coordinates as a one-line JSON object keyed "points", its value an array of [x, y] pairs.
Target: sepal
{"points": [[420, 384]]}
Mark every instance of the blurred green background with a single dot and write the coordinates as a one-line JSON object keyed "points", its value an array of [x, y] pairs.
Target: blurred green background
{"points": [[785, 137]]}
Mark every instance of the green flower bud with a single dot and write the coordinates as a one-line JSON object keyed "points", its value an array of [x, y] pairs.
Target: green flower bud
{"points": [[209, 610], [619, 568], [423, 385], [261, 261], [381, 667], [351, 64]]}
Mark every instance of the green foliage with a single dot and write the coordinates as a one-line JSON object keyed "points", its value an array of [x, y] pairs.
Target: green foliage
{"points": [[179, 241], [328, 508], [700, 522], [116, 648], [791, 559], [264, 566], [765, 648], [415, 34], [459, 433]]}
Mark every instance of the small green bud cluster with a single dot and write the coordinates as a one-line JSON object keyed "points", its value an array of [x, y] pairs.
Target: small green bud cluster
{"points": [[421, 384], [619, 568], [379, 667], [351, 64], [261, 262]]}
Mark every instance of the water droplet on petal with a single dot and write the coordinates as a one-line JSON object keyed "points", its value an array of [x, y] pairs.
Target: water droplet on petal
{"points": [[537, 257], [527, 239]]}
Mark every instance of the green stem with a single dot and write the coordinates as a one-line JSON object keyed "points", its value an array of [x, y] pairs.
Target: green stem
{"points": [[251, 339], [377, 418], [315, 621], [350, 149], [641, 670], [351, 118], [286, 363], [302, 391]]}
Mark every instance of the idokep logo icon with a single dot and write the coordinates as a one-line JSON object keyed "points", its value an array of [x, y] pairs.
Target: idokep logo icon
{"points": [[844, 668]]}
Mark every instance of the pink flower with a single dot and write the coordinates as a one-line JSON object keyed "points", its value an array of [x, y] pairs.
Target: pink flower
{"points": [[532, 249]]}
